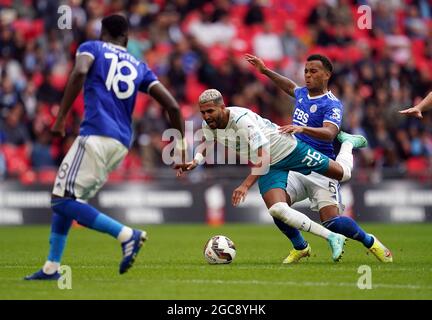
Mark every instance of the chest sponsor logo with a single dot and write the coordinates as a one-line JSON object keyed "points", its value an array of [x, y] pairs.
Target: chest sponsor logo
{"points": [[300, 115]]}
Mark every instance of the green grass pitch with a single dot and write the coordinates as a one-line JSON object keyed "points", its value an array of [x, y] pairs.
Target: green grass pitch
{"points": [[171, 265]]}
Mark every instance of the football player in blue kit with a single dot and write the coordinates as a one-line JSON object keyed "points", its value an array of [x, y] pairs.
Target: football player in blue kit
{"points": [[316, 120], [111, 78]]}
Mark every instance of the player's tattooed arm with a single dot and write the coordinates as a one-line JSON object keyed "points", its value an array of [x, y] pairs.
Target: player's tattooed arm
{"points": [[327, 132], [417, 110], [282, 82], [170, 105], [73, 88]]}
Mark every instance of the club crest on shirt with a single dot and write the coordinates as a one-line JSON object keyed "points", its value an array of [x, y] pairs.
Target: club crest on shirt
{"points": [[313, 108]]}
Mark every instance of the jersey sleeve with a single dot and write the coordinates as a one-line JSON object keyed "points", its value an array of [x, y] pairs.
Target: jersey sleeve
{"points": [[297, 92], [89, 48], [252, 132], [149, 79], [334, 114]]}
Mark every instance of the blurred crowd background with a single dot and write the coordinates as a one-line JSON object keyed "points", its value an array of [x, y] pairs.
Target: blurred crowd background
{"points": [[194, 45]]}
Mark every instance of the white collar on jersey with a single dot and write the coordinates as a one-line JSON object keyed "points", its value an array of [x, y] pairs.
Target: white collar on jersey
{"points": [[320, 96]]}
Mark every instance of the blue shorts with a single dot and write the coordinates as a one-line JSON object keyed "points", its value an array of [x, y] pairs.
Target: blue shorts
{"points": [[303, 159]]}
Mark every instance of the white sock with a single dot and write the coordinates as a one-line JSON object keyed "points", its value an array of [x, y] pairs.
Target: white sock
{"points": [[50, 267], [125, 234], [297, 220], [346, 160]]}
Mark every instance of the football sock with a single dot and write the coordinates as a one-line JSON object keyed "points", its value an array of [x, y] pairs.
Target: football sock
{"points": [[346, 160], [125, 234], [299, 243], [60, 226], [298, 220], [88, 216], [50, 267], [349, 228]]}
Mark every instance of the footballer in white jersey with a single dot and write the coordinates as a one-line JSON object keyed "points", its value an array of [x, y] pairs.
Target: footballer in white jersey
{"points": [[273, 155], [246, 131]]}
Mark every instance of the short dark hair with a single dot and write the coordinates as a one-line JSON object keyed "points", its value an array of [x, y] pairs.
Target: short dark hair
{"points": [[325, 61], [116, 25]]}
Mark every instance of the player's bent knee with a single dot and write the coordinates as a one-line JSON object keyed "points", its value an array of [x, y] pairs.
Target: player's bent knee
{"points": [[276, 210]]}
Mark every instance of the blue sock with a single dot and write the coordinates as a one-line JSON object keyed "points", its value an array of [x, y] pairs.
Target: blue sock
{"points": [[349, 228], [293, 234], [59, 229], [87, 216]]}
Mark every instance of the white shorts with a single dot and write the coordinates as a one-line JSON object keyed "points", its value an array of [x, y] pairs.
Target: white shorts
{"points": [[320, 190], [86, 166]]}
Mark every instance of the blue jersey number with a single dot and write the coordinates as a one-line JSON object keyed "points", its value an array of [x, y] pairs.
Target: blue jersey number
{"points": [[115, 76]]}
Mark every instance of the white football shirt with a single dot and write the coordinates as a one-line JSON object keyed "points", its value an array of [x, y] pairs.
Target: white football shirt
{"points": [[246, 131]]}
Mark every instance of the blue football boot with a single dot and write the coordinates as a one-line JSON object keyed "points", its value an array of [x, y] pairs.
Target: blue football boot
{"points": [[40, 275], [131, 248]]}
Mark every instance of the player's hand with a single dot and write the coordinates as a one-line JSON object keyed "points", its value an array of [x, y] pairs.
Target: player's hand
{"points": [[291, 129], [256, 62], [413, 112], [59, 128], [183, 167], [239, 195]]}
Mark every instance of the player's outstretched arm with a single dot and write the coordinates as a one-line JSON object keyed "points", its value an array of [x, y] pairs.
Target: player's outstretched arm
{"points": [[73, 88], [417, 110], [282, 82], [327, 132], [200, 155], [239, 194], [167, 101]]}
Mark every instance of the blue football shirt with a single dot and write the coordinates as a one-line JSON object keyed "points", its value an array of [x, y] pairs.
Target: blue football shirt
{"points": [[110, 90], [313, 112]]}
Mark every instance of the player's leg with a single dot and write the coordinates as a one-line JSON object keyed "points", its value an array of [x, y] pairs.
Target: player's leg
{"points": [[344, 225], [305, 159], [295, 192], [342, 167], [349, 228], [272, 187], [327, 200], [99, 156], [60, 227], [82, 173]]}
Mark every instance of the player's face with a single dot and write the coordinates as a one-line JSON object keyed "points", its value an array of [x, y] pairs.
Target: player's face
{"points": [[212, 114], [316, 76]]}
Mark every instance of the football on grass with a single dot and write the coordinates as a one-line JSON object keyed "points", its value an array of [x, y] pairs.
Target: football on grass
{"points": [[219, 250]]}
